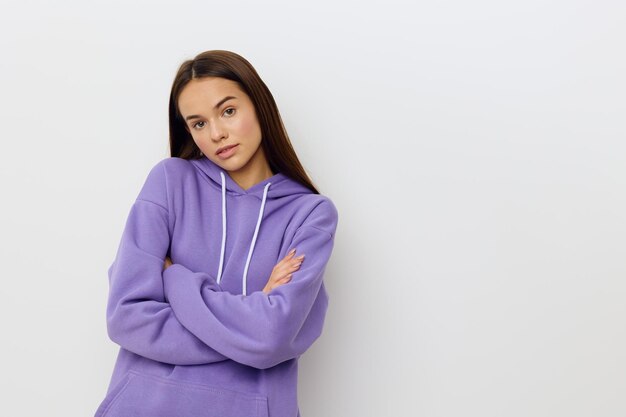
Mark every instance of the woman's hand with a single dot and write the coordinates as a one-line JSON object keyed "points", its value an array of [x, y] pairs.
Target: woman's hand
{"points": [[281, 274], [168, 262]]}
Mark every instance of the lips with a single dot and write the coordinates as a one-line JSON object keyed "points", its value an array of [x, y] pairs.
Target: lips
{"points": [[225, 148]]}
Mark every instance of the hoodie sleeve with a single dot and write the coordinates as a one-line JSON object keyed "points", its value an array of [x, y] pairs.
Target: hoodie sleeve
{"points": [[261, 330], [138, 317]]}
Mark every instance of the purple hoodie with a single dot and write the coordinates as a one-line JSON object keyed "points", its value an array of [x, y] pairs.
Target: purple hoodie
{"points": [[201, 339]]}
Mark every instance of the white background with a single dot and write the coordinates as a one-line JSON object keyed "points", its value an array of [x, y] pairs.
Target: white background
{"points": [[475, 151]]}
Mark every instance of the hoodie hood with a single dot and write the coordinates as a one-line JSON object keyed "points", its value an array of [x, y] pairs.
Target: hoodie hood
{"points": [[276, 186]]}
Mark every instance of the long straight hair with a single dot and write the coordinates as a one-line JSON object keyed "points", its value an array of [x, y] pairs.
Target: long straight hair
{"points": [[274, 138]]}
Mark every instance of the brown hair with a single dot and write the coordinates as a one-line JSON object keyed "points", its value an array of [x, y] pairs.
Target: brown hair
{"points": [[226, 64]]}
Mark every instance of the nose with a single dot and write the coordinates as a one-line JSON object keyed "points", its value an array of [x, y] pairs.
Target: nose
{"points": [[217, 131]]}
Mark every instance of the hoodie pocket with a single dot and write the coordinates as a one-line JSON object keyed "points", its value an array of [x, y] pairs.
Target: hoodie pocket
{"points": [[142, 395]]}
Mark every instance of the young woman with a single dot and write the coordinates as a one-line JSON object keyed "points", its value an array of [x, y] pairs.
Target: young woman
{"points": [[211, 298]]}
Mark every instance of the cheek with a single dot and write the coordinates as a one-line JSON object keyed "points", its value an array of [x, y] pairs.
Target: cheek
{"points": [[248, 126]]}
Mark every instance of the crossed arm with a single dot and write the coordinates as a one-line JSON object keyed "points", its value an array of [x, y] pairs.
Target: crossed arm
{"points": [[182, 317]]}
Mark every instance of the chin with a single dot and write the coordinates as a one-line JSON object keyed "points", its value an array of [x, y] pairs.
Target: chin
{"points": [[231, 164]]}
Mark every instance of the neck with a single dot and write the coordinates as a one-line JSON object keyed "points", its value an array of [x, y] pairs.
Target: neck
{"points": [[255, 171]]}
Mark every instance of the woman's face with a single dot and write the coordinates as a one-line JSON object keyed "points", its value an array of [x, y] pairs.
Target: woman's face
{"points": [[218, 113]]}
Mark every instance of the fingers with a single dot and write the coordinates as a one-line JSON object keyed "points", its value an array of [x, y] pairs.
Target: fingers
{"points": [[292, 263], [289, 258], [283, 271], [289, 268], [283, 280], [290, 254], [298, 261]]}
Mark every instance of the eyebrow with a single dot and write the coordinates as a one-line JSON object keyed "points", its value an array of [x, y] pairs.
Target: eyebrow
{"points": [[219, 103]]}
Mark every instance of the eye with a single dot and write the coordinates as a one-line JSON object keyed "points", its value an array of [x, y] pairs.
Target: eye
{"points": [[196, 124], [230, 108]]}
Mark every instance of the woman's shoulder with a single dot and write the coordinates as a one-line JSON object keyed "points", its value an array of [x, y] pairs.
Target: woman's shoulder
{"points": [[320, 212], [163, 177], [174, 165], [320, 203], [173, 170]]}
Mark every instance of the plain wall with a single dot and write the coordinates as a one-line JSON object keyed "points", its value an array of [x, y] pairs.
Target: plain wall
{"points": [[475, 151]]}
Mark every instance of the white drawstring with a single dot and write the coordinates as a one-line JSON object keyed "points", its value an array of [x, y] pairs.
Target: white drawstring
{"points": [[219, 272], [256, 231], [244, 279]]}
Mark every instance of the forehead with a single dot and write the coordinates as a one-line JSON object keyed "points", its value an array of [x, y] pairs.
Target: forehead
{"points": [[207, 91]]}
